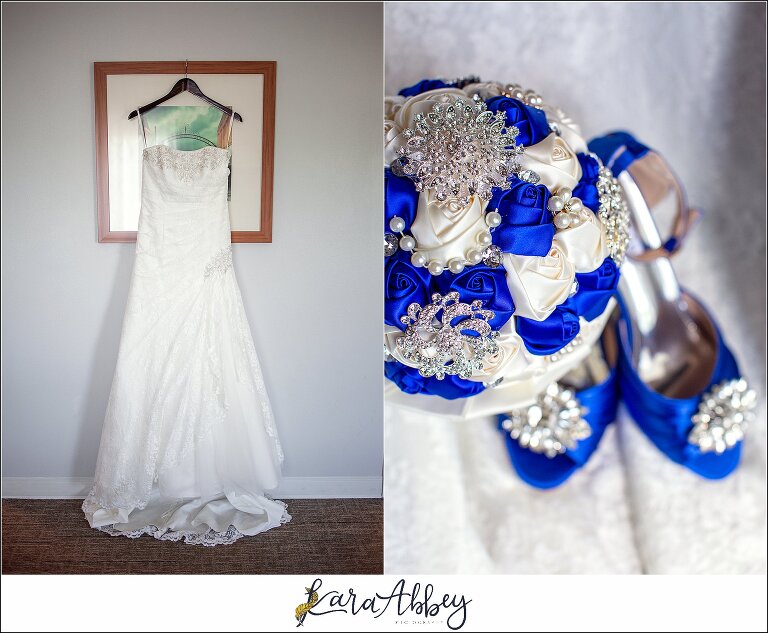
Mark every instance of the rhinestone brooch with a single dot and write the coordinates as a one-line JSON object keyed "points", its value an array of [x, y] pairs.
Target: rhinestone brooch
{"points": [[552, 425], [614, 215], [459, 149], [440, 348], [724, 412]]}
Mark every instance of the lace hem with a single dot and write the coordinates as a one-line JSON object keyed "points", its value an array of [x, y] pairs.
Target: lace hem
{"points": [[206, 539]]}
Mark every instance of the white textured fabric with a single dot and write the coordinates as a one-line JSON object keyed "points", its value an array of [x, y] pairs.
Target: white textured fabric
{"points": [[453, 502], [454, 505], [189, 443]]}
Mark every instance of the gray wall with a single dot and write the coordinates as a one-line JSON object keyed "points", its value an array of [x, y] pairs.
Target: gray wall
{"points": [[63, 294]]}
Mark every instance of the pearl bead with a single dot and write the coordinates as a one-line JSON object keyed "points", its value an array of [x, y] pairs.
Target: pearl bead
{"points": [[407, 243], [484, 238], [397, 224], [555, 205], [575, 219], [562, 220], [493, 218], [419, 260], [456, 265], [575, 206], [474, 256], [564, 194], [435, 267]]}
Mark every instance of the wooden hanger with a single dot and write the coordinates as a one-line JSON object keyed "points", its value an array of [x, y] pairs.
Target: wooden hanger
{"points": [[186, 85]]}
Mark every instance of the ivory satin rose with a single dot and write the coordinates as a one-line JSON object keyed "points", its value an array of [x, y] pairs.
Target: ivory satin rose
{"points": [[392, 105], [392, 141], [447, 229], [539, 284], [554, 161], [570, 131], [485, 89], [391, 130], [510, 360], [584, 245], [400, 113]]}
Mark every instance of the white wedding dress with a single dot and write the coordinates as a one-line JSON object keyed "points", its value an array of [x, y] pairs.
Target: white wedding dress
{"points": [[189, 444]]}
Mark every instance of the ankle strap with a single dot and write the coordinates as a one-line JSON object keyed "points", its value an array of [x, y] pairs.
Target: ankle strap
{"points": [[622, 152]]}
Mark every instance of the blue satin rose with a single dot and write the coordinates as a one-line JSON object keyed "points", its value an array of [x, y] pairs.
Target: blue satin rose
{"points": [[595, 290], [484, 283], [411, 381], [403, 284], [400, 198], [531, 122], [423, 86], [551, 334], [586, 190], [526, 224]]}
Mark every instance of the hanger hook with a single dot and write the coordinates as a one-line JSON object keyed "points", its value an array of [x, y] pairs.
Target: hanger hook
{"points": [[186, 66]]}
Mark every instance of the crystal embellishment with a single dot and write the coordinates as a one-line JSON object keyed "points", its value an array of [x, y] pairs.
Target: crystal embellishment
{"points": [[554, 424], [492, 256], [459, 149], [529, 176], [390, 244], [454, 344], [723, 414], [614, 215], [219, 263]]}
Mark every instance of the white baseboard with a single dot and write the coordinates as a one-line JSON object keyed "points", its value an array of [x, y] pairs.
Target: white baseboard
{"points": [[290, 487]]}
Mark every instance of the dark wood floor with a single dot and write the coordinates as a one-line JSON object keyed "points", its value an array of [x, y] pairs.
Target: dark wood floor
{"points": [[325, 536]]}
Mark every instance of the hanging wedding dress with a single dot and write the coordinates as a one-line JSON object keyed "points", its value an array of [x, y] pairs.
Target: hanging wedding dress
{"points": [[189, 444]]}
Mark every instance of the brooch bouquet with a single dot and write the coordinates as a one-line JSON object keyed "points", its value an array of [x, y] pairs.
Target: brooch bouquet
{"points": [[503, 241]]}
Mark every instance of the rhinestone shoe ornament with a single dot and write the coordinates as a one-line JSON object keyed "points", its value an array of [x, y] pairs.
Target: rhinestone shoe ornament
{"points": [[459, 149], [614, 214], [552, 425], [440, 348], [724, 412]]}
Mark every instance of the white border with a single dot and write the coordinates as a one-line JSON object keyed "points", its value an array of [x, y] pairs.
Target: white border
{"points": [[498, 603], [289, 488]]}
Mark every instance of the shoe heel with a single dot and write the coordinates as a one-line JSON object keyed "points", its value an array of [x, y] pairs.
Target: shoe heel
{"points": [[678, 379], [674, 352]]}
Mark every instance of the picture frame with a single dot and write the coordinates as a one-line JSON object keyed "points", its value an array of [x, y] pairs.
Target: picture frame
{"points": [[121, 87]]}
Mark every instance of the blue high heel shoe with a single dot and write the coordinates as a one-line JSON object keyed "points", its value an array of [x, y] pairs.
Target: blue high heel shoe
{"points": [[677, 377], [551, 439]]}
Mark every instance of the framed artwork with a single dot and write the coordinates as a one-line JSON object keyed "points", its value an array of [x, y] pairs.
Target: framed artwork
{"points": [[187, 123]]}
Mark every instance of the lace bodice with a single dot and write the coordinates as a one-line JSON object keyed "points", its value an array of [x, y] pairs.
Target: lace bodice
{"points": [[205, 166]]}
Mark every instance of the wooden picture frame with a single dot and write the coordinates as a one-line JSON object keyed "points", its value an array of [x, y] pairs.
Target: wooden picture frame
{"points": [[102, 71]]}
